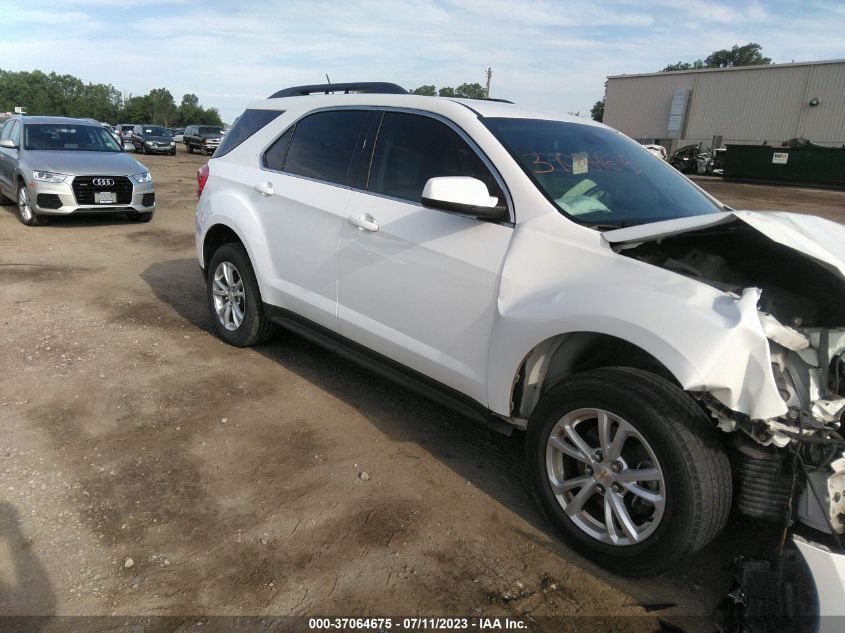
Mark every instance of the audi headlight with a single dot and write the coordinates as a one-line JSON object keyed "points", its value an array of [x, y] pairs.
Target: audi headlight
{"points": [[48, 176], [142, 178]]}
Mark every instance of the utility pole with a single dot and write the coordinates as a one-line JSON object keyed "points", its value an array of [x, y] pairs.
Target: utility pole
{"points": [[489, 74]]}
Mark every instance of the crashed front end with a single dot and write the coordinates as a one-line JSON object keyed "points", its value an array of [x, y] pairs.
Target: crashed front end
{"points": [[779, 383]]}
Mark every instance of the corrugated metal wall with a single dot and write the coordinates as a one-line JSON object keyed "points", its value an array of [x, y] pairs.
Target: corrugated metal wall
{"points": [[748, 105]]}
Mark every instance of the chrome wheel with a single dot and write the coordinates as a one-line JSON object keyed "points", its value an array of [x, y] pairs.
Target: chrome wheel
{"points": [[605, 476], [229, 298], [23, 206]]}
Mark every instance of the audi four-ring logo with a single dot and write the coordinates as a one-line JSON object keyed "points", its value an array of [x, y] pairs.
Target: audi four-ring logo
{"points": [[103, 182]]}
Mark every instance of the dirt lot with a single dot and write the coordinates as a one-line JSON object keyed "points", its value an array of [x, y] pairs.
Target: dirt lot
{"points": [[280, 480]]}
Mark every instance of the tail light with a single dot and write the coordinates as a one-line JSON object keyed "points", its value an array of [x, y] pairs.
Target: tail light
{"points": [[202, 178]]}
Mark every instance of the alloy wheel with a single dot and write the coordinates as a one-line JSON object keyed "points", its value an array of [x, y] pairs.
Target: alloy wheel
{"points": [[229, 297], [605, 476]]}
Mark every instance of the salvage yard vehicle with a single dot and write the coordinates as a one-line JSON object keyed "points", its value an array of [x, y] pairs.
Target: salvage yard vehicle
{"points": [[204, 138], [153, 139], [543, 272], [59, 166]]}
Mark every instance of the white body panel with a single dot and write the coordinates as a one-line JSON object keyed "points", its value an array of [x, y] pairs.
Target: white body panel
{"points": [[422, 289], [828, 571]]}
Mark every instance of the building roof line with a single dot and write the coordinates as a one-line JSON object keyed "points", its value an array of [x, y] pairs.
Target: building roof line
{"points": [[732, 68]]}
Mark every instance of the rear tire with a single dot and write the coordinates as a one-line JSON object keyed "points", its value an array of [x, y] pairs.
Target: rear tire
{"points": [[234, 299], [658, 495]]}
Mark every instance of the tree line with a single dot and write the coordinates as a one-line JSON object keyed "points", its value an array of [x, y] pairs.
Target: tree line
{"points": [[65, 95]]}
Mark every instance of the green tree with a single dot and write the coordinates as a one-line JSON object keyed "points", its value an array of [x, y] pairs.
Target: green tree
{"points": [[427, 91], [597, 111], [470, 91], [750, 54], [446, 91]]}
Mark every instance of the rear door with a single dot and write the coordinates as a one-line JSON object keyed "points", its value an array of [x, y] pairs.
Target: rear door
{"points": [[417, 285], [300, 193]]}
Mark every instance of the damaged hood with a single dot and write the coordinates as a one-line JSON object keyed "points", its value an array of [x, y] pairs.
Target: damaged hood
{"points": [[819, 239]]}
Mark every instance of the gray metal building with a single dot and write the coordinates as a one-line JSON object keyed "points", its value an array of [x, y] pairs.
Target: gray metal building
{"points": [[748, 104]]}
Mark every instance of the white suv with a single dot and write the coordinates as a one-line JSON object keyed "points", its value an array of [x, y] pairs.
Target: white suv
{"points": [[543, 272]]}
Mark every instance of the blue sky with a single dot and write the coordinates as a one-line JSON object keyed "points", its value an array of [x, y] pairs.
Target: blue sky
{"points": [[545, 53]]}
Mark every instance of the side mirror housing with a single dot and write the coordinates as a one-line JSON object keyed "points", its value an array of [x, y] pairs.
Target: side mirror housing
{"points": [[8, 143], [464, 196]]}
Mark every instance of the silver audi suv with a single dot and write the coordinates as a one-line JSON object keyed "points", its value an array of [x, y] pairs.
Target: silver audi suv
{"points": [[58, 166]]}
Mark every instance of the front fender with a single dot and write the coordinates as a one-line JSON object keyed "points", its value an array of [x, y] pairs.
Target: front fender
{"points": [[709, 340]]}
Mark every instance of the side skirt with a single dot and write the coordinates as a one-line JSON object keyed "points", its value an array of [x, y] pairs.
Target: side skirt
{"points": [[388, 368]]}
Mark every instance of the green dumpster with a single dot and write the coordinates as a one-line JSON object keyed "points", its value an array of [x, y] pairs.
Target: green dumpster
{"points": [[824, 166]]}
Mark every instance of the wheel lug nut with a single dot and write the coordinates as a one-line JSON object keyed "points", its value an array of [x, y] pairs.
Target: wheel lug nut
{"points": [[600, 489], [588, 470], [598, 456], [616, 467], [617, 488]]}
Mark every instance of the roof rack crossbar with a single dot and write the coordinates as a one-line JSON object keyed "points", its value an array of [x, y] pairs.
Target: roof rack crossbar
{"points": [[364, 87]]}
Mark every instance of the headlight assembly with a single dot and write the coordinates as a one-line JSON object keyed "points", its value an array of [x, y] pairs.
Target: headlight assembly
{"points": [[48, 176], [142, 178]]}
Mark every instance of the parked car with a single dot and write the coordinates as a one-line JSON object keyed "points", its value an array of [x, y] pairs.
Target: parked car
{"points": [[685, 159], [178, 134], [124, 131], [544, 273], [204, 138], [60, 166], [657, 150], [153, 139]]}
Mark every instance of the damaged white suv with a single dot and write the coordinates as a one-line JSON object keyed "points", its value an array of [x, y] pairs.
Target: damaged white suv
{"points": [[668, 357]]}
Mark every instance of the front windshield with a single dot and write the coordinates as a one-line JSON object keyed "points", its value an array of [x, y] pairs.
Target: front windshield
{"points": [[210, 130], [154, 130], [597, 176], [64, 137]]}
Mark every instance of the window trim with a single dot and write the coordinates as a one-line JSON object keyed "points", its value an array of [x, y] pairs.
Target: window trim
{"points": [[432, 115]]}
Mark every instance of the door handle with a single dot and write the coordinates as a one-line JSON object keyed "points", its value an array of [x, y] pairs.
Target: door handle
{"points": [[265, 188], [365, 222]]}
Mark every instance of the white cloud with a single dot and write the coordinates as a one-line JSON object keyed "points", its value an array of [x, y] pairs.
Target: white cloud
{"points": [[544, 53]]}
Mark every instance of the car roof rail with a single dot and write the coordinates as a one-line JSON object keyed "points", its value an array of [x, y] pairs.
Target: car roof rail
{"points": [[362, 87]]}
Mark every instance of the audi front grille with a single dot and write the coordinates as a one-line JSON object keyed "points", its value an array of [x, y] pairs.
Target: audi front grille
{"points": [[85, 186]]}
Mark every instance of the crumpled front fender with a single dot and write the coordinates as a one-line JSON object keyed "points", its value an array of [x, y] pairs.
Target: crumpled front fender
{"points": [[710, 341]]}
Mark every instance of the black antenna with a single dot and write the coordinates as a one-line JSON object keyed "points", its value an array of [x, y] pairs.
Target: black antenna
{"points": [[328, 81]]}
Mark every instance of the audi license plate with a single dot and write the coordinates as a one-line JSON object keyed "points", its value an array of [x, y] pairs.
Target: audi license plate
{"points": [[105, 197]]}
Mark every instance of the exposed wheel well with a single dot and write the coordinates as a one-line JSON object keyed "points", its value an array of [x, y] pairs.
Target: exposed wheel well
{"points": [[215, 238], [561, 356]]}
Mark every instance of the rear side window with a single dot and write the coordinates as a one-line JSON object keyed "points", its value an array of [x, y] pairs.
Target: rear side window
{"points": [[323, 145], [410, 149], [274, 157], [245, 126]]}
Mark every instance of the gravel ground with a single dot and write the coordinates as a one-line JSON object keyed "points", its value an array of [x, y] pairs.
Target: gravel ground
{"points": [[147, 468]]}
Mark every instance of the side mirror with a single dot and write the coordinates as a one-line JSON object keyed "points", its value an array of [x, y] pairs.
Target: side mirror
{"points": [[464, 196], [8, 143]]}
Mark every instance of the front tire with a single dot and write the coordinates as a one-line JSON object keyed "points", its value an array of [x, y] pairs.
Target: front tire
{"points": [[190, 148], [234, 299], [628, 469], [26, 213]]}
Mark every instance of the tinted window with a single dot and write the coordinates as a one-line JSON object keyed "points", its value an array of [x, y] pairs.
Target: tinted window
{"points": [[68, 137], [245, 126], [323, 145], [597, 176], [410, 149], [274, 157]]}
